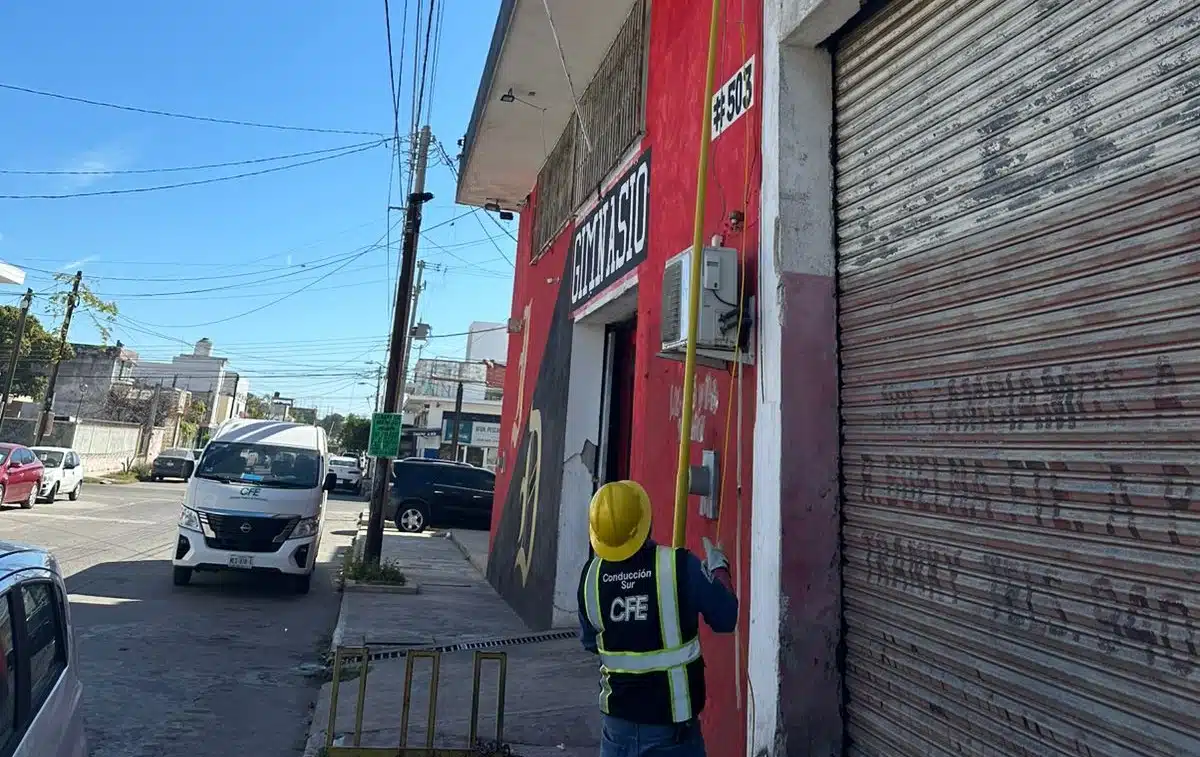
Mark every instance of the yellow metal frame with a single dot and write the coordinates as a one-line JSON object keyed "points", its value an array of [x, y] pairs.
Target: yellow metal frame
{"points": [[689, 366], [428, 750]]}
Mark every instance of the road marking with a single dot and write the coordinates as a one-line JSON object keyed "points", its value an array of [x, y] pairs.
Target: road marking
{"points": [[129, 521]]}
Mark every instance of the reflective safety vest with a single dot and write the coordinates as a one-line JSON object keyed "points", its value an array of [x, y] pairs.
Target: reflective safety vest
{"points": [[650, 665]]}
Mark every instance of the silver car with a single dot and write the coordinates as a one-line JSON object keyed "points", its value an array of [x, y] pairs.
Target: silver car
{"points": [[40, 691]]}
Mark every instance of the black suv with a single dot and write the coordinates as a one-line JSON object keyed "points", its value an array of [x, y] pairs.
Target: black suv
{"points": [[440, 492]]}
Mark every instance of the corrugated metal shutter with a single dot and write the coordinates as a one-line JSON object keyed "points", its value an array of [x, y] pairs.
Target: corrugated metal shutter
{"points": [[1018, 188]]}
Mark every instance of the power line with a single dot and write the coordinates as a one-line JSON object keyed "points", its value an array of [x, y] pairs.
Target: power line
{"points": [[293, 293], [187, 116], [201, 167], [475, 211], [196, 182], [311, 265]]}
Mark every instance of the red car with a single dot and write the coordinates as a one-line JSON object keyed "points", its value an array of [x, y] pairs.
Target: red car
{"points": [[20, 475]]}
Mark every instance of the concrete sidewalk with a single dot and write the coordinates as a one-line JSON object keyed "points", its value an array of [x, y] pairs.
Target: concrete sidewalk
{"points": [[551, 696]]}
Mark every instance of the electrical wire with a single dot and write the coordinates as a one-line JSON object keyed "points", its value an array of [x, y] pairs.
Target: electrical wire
{"points": [[186, 116], [251, 311], [475, 211], [425, 61], [306, 267], [201, 167], [196, 182]]}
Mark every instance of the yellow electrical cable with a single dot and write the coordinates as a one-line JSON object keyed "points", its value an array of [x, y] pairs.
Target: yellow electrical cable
{"points": [[689, 366]]}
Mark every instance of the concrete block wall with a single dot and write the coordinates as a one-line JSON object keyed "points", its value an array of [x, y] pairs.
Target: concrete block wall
{"points": [[106, 446]]}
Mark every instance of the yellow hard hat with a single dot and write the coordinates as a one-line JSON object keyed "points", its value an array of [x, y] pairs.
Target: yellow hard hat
{"points": [[619, 520]]}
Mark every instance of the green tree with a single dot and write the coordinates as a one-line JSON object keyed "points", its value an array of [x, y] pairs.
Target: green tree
{"points": [[197, 413], [37, 349], [258, 407], [194, 417], [356, 433], [103, 313]]}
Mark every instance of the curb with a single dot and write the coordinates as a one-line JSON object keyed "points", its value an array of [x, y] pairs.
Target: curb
{"points": [[366, 587], [481, 569]]}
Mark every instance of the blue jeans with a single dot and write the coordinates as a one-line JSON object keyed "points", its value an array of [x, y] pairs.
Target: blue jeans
{"points": [[621, 738]]}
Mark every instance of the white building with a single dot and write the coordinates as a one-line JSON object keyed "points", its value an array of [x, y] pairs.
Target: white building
{"points": [[487, 341], [429, 409], [205, 376]]}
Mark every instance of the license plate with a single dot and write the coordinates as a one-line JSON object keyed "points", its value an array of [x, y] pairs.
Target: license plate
{"points": [[343, 481], [241, 561]]}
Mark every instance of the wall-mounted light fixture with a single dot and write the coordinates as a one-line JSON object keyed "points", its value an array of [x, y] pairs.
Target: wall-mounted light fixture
{"points": [[494, 207], [512, 97]]}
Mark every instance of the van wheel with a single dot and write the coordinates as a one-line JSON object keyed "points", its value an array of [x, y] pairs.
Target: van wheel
{"points": [[53, 495], [410, 517], [74, 495], [182, 576], [303, 583]]}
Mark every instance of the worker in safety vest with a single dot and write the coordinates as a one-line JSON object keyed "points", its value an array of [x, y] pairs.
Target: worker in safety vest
{"points": [[639, 607]]}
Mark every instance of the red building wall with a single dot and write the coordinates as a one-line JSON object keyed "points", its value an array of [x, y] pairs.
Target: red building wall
{"points": [[678, 41]]}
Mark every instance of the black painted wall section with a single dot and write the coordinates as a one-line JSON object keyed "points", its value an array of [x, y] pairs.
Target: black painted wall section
{"points": [[523, 561]]}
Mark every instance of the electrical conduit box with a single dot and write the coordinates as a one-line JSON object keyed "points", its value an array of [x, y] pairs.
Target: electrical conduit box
{"points": [[718, 295]]}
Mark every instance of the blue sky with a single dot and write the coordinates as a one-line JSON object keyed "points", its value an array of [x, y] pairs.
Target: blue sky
{"points": [[253, 240]]}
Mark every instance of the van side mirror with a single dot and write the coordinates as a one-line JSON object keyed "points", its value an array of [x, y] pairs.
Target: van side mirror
{"points": [[330, 481]]}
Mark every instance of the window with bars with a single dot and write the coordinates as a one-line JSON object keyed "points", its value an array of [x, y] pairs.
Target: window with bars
{"points": [[555, 191], [611, 108], [613, 116]]}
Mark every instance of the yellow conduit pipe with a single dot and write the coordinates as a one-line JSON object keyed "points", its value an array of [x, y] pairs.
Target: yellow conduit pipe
{"points": [[689, 365]]}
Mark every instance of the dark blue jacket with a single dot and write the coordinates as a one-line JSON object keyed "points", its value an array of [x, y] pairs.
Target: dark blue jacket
{"points": [[698, 595]]}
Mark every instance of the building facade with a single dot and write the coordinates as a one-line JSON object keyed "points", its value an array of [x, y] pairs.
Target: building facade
{"points": [[202, 374], [86, 381], [431, 420], [231, 403], [975, 530], [595, 369], [967, 437]]}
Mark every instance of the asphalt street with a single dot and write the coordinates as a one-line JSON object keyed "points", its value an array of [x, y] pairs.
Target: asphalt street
{"points": [[221, 668]]}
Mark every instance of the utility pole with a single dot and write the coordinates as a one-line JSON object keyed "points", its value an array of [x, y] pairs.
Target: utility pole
{"points": [[26, 301], [145, 450], [458, 399], [378, 385], [412, 321], [395, 378], [48, 402]]}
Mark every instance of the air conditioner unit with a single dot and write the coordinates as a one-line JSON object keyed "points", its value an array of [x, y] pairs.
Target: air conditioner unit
{"points": [[718, 295]]}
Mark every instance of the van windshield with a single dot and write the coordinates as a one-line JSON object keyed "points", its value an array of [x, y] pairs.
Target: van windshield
{"points": [[263, 464]]}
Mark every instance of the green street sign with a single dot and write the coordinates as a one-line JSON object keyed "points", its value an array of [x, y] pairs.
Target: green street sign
{"points": [[385, 435]]}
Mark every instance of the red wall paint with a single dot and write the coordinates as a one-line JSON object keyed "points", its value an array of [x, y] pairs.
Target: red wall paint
{"points": [[678, 42]]}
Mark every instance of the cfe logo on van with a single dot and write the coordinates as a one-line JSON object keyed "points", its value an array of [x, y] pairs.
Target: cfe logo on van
{"points": [[250, 491]]}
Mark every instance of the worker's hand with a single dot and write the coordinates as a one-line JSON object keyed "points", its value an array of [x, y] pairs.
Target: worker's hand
{"points": [[714, 558]]}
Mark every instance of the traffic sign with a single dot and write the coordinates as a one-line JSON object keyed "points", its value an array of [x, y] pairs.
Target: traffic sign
{"points": [[385, 435]]}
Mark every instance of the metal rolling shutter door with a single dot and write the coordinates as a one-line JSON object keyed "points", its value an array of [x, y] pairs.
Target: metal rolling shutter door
{"points": [[1018, 189]]}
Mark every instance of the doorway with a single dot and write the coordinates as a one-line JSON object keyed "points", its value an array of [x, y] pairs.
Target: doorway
{"points": [[616, 422]]}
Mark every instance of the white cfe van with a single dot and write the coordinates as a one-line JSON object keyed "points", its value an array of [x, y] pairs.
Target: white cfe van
{"points": [[256, 502]]}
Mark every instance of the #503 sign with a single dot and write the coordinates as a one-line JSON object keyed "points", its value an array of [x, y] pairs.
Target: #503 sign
{"points": [[733, 98]]}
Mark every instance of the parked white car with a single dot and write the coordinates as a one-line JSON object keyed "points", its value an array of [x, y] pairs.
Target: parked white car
{"points": [[40, 691], [63, 473], [349, 473]]}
